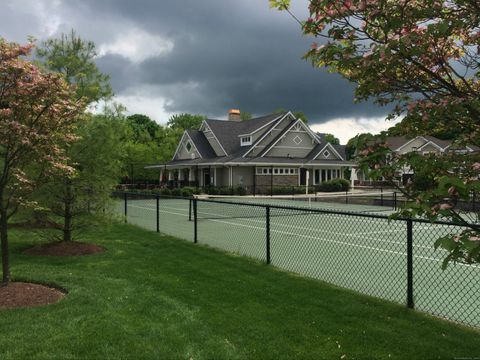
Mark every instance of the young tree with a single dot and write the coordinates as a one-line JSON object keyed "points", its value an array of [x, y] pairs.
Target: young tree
{"points": [[332, 139], [37, 121], [423, 58], [97, 157], [74, 58]]}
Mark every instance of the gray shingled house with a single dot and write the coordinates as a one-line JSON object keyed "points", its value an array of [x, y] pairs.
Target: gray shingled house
{"points": [[272, 150]]}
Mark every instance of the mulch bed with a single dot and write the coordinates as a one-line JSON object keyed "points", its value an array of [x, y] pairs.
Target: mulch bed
{"points": [[65, 248], [20, 294]]}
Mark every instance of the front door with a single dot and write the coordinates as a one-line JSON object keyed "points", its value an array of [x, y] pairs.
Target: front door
{"points": [[206, 177], [303, 176]]}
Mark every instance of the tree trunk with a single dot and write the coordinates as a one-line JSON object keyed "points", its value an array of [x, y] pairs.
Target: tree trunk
{"points": [[4, 242], [68, 214]]}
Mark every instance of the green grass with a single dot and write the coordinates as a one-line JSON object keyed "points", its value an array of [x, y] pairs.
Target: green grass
{"points": [[152, 296]]}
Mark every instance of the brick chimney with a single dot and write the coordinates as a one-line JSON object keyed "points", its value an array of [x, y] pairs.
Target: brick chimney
{"points": [[234, 115]]}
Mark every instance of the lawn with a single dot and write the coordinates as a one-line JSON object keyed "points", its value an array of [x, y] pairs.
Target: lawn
{"points": [[153, 296]]}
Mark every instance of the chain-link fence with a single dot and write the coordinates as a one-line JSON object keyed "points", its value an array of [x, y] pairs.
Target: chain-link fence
{"points": [[369, 253]]}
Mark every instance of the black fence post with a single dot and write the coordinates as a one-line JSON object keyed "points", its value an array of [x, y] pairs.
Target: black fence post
{"points": [[267, 226], [410, 264], [381, 196], [195, 220], [158, 213], [395, 200], [190, 209], [125, 196]]}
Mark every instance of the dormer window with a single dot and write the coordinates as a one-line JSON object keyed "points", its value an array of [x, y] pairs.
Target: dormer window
{"points": [[246, 140]]}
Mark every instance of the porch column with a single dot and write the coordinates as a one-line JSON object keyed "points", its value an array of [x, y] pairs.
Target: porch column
{"points": [[180, 174], [160, 176], [215, 176], [170, 175], [191, 176], [353, 176]]}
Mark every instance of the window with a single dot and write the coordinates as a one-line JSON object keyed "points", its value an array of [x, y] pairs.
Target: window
{"points": [[188, 146], [277, 171], [326, 153], [246, 140], [297, 140]]}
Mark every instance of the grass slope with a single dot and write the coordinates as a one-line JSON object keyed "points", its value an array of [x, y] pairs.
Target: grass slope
{"points": [[152, 296]]}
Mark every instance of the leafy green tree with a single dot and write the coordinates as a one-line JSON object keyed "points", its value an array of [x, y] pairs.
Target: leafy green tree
{"points": [[421, 57], [75, 59], [185, 121], [97, 156], [142, 125], [332, 139]]}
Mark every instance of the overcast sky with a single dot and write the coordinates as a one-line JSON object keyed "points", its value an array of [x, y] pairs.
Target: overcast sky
{"points": [[202, 57]]}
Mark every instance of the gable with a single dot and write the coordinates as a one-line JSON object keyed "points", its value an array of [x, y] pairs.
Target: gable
{"points": [[328, 152], [297, 141], [186, 149], [269, 135], [412, 145]]}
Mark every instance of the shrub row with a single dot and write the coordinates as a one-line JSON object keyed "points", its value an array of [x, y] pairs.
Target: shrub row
{"points": [[334, 185]]}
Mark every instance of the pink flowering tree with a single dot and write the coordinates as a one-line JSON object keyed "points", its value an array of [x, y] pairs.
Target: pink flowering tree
{"points": [[36, 124], [422, 58]]}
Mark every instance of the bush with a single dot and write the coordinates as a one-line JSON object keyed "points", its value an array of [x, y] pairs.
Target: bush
{"points": [[188, 191], [166, 191], [240, 190], [334, 185], [176, 192]]}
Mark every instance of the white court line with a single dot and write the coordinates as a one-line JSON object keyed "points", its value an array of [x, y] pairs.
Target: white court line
{"points": [[310, 229]]}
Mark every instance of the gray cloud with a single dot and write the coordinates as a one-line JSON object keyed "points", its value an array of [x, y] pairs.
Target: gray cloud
{"points": [[225, 54]]}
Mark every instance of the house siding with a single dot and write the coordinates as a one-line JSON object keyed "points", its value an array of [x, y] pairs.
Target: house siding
{"points": [[270, 137]]}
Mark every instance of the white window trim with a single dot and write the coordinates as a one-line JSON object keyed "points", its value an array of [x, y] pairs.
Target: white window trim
{"points": [[245, 141], [269, 171]]}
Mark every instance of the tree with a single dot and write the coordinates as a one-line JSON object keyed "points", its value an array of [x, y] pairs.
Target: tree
{"points": [[38, 115], [185, 121], [97, 156], [245, 115], [142, 126], [332, 139], [423, 58], [75, 59]]}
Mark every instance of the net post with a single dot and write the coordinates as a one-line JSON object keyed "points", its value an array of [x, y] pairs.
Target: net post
{"points": [[346, 197], [157, 198], [267, 228], [125, 197], [195, 220], [410, 304], [395, 200]]}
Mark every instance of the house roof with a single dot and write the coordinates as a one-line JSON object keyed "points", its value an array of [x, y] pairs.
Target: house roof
{"points": [[201, 143], [228, 132]]}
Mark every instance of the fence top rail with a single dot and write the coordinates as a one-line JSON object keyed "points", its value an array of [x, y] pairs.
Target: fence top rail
{"points": [[295, 208]]}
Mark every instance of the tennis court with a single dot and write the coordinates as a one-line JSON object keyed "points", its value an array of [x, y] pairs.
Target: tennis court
{"points": [[364, 254]]}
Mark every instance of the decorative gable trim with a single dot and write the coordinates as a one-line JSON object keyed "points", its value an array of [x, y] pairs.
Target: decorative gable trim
{"points": [[330, 146], [295, 127], [205, 128], [434, 144], [185, 133], [410, 141], [279, 120]]}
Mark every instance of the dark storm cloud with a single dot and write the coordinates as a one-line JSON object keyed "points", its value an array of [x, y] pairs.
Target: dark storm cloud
{"points": [[225, 54]]}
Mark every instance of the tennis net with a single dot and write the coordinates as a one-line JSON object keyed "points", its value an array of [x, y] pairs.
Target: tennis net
{"points": [[214, 206]]}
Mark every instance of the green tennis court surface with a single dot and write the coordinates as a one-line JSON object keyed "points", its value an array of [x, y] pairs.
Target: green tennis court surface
{"points": [[363, 254]]}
